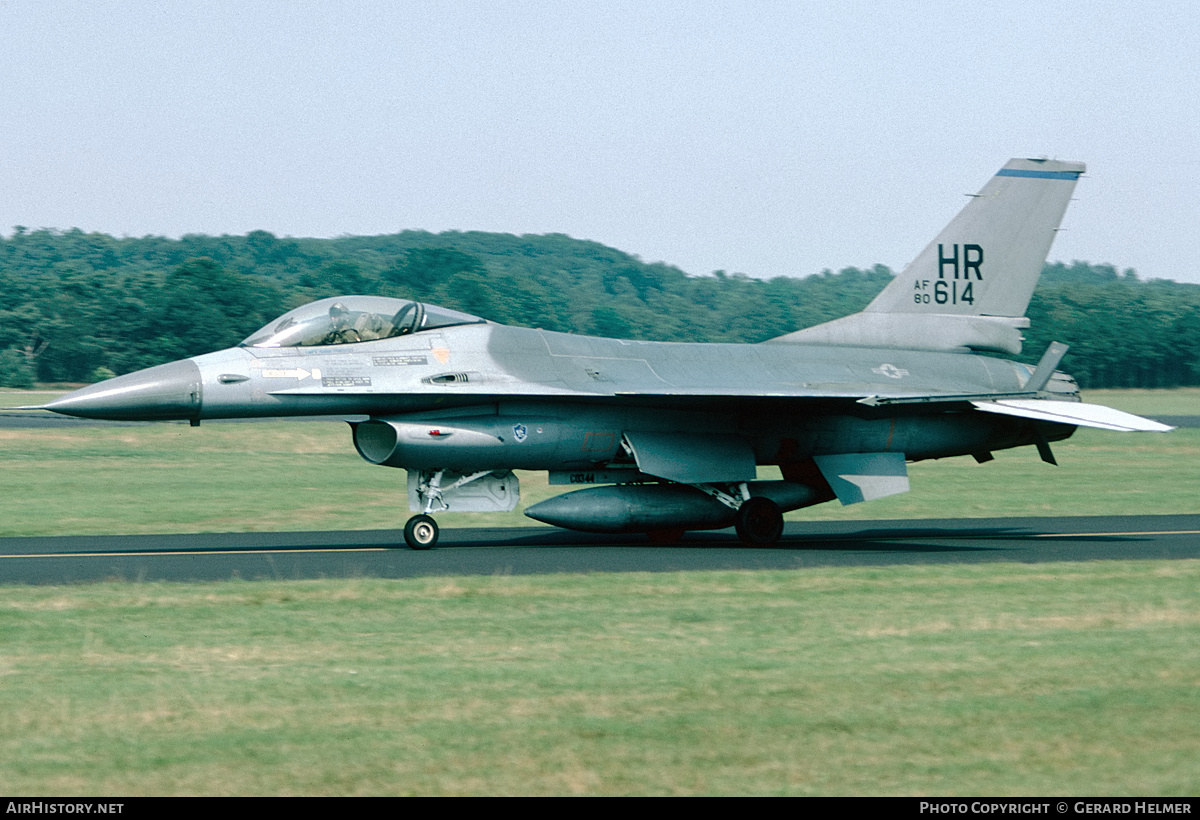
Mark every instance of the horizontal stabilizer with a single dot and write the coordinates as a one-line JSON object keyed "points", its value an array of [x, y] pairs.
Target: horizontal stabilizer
{"points": [[857, 477], [1075, 413]]}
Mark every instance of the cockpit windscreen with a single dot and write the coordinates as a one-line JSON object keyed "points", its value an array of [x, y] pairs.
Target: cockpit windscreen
{"points": [[349, 319]]}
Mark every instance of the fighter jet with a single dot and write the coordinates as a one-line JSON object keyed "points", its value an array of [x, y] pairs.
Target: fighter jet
{"points": [[668, 436]]}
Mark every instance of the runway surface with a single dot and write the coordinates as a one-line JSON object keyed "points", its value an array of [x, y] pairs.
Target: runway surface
{"points": [[538, 550]]}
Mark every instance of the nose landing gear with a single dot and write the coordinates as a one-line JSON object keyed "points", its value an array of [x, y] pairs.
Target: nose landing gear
{"points": [[421, 532]]}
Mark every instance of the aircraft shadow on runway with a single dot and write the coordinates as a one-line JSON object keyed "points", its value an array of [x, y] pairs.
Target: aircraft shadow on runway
{"points": [[875, 540]]}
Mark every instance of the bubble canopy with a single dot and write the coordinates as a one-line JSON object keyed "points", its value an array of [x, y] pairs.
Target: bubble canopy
{"points": [[350, 319]]}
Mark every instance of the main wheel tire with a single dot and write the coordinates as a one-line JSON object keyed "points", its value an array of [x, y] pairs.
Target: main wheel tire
{"points": [[759, 522], [421, 532]]}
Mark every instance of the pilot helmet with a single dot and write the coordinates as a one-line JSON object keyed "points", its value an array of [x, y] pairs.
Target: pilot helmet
{"points": [[339, 314]]}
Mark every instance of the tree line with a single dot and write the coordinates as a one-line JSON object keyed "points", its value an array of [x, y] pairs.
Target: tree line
{"points": [[80, 306]]}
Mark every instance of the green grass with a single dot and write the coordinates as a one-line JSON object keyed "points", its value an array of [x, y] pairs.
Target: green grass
{"points": [[19, 398], [1179, 401], [306, 476], [945, 680]]}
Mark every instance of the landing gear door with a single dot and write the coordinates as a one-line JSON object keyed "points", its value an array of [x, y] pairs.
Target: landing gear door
{"points": [[492, 492], [693, 458], [857, 477]]}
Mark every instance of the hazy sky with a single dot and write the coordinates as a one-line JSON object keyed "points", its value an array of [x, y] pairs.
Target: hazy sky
{"points": [[770, 138]]}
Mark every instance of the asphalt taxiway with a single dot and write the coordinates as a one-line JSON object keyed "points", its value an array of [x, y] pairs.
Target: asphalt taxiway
{"points": [[538, 550]]}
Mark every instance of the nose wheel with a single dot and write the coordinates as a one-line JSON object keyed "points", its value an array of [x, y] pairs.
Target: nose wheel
{"points": [[421, 532]]}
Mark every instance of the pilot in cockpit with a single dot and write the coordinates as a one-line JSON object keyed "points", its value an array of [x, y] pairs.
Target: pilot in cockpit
{"points": [[347, 326]]}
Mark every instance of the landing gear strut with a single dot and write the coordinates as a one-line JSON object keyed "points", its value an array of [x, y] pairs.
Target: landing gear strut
{"points": [[421, 532], [759, 522]]}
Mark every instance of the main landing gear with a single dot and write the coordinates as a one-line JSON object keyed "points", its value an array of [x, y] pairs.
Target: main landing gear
{"points": [[759, 522], [421, 532]]}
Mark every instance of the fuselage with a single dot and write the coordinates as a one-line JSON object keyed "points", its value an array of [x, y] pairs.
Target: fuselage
{"points": [[577, 395]]}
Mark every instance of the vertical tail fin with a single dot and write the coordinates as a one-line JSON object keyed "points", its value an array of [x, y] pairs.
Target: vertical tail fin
{"points": [[971, 285], [986, 262]]}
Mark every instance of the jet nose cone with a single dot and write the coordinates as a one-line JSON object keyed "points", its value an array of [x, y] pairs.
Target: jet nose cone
{"points": [[168, 391]]}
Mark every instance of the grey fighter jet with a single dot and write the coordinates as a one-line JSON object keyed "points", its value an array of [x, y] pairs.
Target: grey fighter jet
{"points": [[668, 435]]}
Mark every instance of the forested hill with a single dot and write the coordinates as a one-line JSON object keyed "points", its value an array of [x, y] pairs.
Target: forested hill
{"points": [[79, 306]]}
